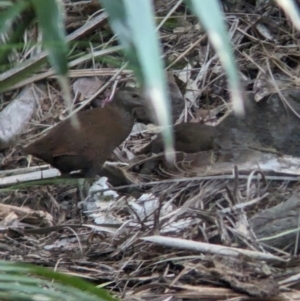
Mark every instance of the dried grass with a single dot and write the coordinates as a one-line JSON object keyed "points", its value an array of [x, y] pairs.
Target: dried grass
{"points": [[126, 254]]}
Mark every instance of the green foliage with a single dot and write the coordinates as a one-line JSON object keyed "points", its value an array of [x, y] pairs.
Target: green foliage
{"points": [[135, 27], [11, 13], [210, 14], [51, 20], [27, 282]]}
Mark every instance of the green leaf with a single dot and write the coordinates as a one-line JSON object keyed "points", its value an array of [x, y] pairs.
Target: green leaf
{"points": [[50, 16], [20, 282], [212, 19], [291, 9], [11, 13], [119, 24], [133, 22]]}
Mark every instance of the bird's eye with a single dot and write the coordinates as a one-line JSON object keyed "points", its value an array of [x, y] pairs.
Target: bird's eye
{"points": [[134, 95]]}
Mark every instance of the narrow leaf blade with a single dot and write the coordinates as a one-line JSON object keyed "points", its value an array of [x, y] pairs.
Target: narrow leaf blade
{"points": [[212, 19], [50, 16]]}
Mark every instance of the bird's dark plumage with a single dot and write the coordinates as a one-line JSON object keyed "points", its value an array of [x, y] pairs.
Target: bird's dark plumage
{"points": [[87, 148]]}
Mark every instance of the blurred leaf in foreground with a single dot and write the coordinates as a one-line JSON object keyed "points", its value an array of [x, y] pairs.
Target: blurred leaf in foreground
{"points": [[15, 278], [50, 14], [133, 22], [8, 15], [210, 15]]}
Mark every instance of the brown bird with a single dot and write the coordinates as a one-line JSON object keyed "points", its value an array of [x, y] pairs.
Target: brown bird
{"points": [[188, 137], [87, 148]]}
